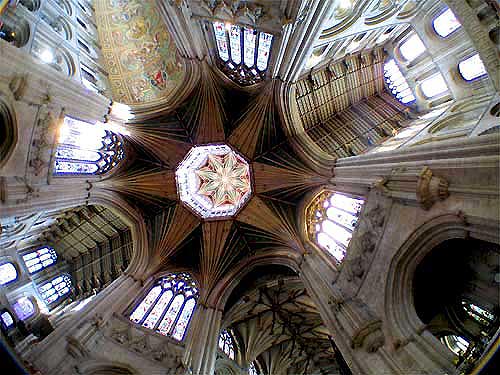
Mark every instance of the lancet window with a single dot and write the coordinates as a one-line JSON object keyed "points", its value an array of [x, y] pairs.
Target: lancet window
{"points": [[397, 83], [331, 220], [226, 343], [40, 259], [445, 23], [8, 273], [243, 52], [86, 148], [168, 306], [412, 47], [472, 68], [6, 319], [480, 315], [55, 289]]}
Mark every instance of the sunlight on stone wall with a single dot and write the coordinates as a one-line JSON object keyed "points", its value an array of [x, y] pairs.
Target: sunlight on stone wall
{"points": [[139, 52]]}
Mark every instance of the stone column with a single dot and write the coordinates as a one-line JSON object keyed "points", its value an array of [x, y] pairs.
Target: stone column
{"points": [[201, 344]]}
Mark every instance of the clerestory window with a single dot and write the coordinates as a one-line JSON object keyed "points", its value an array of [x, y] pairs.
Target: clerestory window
{"points": [[472, 68], [38, 260], [55, 289], [243, 52], [226, 343], [445, 23], [397, 83]]}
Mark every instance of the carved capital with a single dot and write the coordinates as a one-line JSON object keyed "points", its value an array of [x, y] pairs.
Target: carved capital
{"points": [[430, 189]]}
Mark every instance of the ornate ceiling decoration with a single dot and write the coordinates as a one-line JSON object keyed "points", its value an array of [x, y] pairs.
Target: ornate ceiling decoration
{"points": [[214, 181]]}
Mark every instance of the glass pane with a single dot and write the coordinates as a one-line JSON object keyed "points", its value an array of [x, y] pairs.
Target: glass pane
{"points": [[158, 310], [397, 82], [7, 319], [346, 203], [220, 38], [146, 303], [249, 47], [335, 231], [77, 154], [75, 167], [182, 323], [327, 243], [412, 48], [339, 216], [169, 318], [8, 273], [235, 42], [265, 41], [433, 86], [472, 68], [23, 308], [445, 23]]}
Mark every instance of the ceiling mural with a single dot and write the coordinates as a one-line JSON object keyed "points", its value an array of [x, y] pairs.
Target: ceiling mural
{"points": [[139, 53]]}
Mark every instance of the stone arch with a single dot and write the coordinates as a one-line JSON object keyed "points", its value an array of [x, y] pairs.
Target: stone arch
{"points": [[98, 367], [8, 131], [403, 323]]}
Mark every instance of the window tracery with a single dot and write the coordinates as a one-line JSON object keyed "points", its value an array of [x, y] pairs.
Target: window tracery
{"points": [[243, 52], [24, 308], [472, 68], [445, 23], [55, 289], [226, 343], [331, 220], [86, 149], [168, 306], [397, 83], [40, 259], [8, 273]]}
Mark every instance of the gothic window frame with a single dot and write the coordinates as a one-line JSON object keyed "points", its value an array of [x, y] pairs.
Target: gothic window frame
{"points": [[106, 156], [227, 343], [480, 73], [20, 313], [4, 267], [397, 83], [316, 214], [444, 17], [5, 317], [59, 286], [410, 43], [428, 86], [151, 310], [39, 257], [237, 68]]}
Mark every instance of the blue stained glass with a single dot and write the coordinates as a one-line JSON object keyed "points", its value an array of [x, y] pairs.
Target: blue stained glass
{"points": [[55, 289], [146, 304], [77, 154], [40, 259], [249, 47], [24, 308], [182, 323], [264, 50], [75, 167], [235, 43], [155, 314], [7, 319], [220, 37], [226, 343], [171, 314]]}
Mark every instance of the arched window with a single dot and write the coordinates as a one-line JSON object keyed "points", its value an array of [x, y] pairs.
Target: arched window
{"points": [[480, 315], [445, 23], [8, 273], [252, 369], [397, 83], [168, 306], [472, 68], [86, 149], [433, 86], [6, 319], [55, 289], [412, 47], [226, 343], [24, 308], [243, 51], [40, 259], [456, 344], [331, 220]]}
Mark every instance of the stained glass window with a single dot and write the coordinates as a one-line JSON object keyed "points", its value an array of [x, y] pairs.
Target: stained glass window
{"points": [[8, 273], [472, 68], [433, 86], [456, 344], [55, 289], [86, 148], [445, 23], [168, 306], [252, 370], [480, 315], [332, 218], [412, 47], [397, 83], [6, 319], [244, 52], [226, 343], [24, 308], [40, 259]]}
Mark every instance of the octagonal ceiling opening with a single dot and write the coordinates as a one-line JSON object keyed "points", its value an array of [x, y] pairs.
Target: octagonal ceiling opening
{"points": [[214, 181]]}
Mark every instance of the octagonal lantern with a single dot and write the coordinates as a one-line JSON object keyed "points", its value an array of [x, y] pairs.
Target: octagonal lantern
{"points": [[214, 181]]}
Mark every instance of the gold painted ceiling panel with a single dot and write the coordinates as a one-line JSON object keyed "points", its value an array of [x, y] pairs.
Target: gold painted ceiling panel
{"points": [[139, 53]]}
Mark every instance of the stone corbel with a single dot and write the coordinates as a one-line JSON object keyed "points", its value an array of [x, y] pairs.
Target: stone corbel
{"points": [[18, 86], [422, 188]]}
